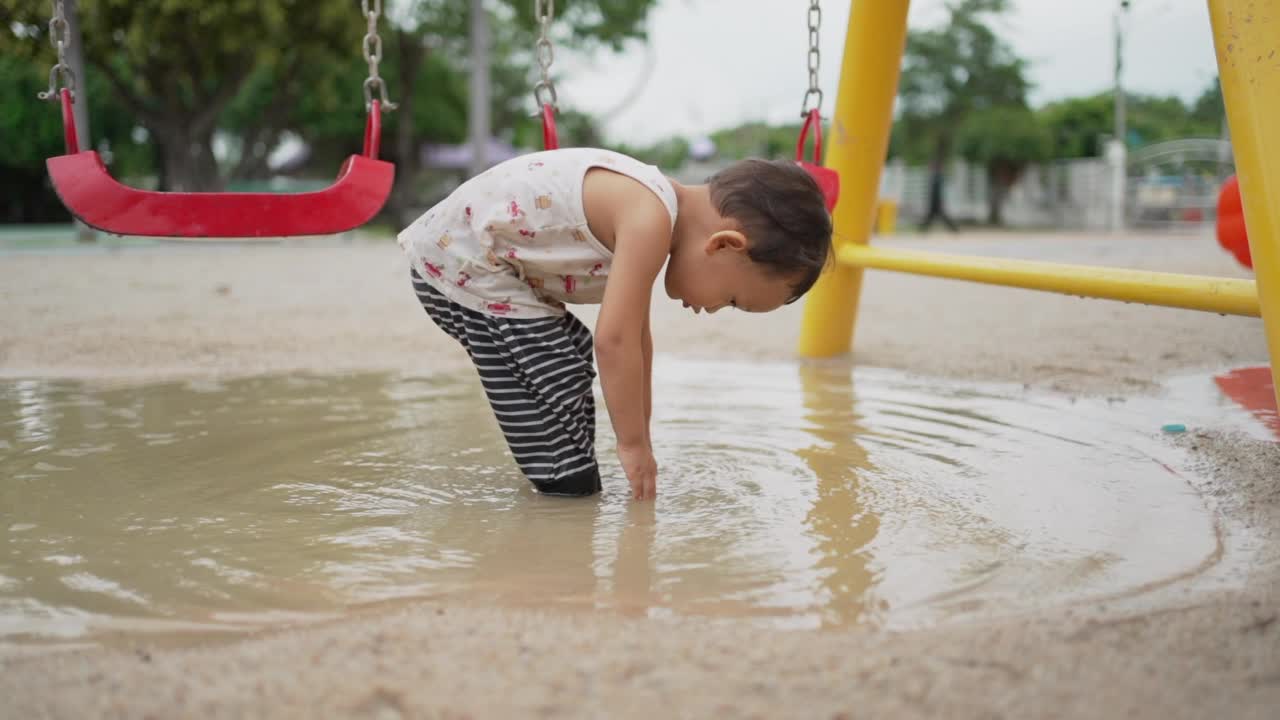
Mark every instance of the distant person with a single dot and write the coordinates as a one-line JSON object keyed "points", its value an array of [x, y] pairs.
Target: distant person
{"points": [[936, 209], [495, 263]]}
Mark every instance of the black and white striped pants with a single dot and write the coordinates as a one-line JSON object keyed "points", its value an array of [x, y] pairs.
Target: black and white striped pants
{"points": [[537, 374]]}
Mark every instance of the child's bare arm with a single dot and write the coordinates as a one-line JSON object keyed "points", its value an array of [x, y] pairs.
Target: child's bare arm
{"points": [[641, 244], [646, 342]]}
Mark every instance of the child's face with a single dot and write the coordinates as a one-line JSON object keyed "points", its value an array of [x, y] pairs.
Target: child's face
{"points": [[720, 274]]}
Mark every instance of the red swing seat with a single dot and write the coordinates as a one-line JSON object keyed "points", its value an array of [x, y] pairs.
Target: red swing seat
{"points": [[97, 199], [828, 180]]}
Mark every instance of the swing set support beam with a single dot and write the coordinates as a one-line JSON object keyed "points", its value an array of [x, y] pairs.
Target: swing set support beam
{"points": [[1246, 36], [1247, 40], [1227, 296], [856, 148]]}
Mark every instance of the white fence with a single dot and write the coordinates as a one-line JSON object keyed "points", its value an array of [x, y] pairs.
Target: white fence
{"points": [[1171, 185], [1062, 194]]}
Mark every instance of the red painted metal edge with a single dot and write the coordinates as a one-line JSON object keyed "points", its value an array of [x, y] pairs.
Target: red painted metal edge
{"points": [[373, 130], [550, 137], [93, 196], [812, 120], [828, 180], [70, 137]]}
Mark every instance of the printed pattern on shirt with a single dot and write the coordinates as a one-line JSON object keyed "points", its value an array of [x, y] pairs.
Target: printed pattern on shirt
{"points": [[514, 240]]}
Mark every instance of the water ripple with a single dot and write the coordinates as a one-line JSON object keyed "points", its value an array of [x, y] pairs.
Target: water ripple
{"points": [[794, 496]]}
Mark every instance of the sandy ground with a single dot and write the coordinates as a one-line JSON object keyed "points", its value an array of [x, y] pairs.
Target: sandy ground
{"points": [[226, 310]]}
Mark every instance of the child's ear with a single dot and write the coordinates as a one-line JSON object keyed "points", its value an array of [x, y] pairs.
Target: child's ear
{"points": [[727, 240]]}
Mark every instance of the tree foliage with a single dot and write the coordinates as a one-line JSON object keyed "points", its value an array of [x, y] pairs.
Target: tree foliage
{"points": [[1079, 125], [951, 71], [257, 71], [962, 85], [1004, 139], [31, 131]]}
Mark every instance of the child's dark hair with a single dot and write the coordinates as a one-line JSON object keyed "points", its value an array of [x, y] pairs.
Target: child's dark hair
{"points": [[782, 214]]}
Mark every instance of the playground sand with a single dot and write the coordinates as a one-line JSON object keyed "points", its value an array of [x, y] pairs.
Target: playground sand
{"points": [[206, 311]]}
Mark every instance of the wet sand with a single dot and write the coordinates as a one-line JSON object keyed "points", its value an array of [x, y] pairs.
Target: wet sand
{"points": [[216, 310]]}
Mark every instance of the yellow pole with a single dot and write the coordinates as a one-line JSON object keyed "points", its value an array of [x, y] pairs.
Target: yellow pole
{"points": [[1246, 34], [859, 141], [1228, 296]]}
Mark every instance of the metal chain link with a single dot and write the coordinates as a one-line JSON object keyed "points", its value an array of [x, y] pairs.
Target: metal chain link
{"points": [[544, 93], [815, 60], [372, 48], [58, 36]]}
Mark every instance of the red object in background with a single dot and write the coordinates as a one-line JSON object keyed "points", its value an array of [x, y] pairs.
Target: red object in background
{"points": [[828, 180], [1253, 389], [93, 196], [1231, 230]]}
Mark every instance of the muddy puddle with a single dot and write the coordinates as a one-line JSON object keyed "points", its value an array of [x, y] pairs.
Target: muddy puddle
{"points": [[795, 497]]}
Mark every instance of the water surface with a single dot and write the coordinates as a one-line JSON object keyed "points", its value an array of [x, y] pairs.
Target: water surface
{"points": [[797, 497]]}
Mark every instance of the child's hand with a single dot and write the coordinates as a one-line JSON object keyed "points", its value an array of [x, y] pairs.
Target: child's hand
{"points": [[641, 469]]}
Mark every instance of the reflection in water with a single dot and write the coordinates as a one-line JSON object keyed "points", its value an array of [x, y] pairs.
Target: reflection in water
{"points": [[839, 518], [632, 572], [224, 506], [1254, 390]]}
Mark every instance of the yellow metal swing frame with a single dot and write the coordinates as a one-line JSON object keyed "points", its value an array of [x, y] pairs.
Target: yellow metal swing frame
{"points": [[1247, 40]]}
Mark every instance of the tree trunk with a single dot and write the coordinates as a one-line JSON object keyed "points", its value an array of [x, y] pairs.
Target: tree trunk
{"points": [[185, 134], [1001, 178], [995, 204], [941, 149], [157, 159], [258, 142], [189, 165], [411, 54]]}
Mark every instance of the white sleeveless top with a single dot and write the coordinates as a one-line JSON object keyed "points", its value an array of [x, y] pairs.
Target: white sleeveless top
{"points": [[513, 241]]}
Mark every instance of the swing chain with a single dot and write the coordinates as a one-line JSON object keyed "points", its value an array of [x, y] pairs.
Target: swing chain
{"points": [[544, 12], [58, 37], [815, 59], [372, 48]]}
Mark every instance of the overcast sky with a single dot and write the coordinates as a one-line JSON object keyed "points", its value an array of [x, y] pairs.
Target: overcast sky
{"points": [[717, 63]]}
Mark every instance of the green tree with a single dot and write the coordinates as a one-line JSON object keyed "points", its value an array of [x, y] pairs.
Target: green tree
{"points": [[1208, 111], [178, 64], [437, 34], [1004, 140], [26, 139], [31, 131], [1078, 125], [757, 139], [185, 68], [951, 71]]}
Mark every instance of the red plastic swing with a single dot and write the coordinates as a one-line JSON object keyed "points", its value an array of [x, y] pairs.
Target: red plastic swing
{"points": [[1231, 231], [97, 199], [828, 180]]}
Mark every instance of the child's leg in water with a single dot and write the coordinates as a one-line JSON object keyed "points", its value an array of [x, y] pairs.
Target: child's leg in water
{"points": [[537, 375]]}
